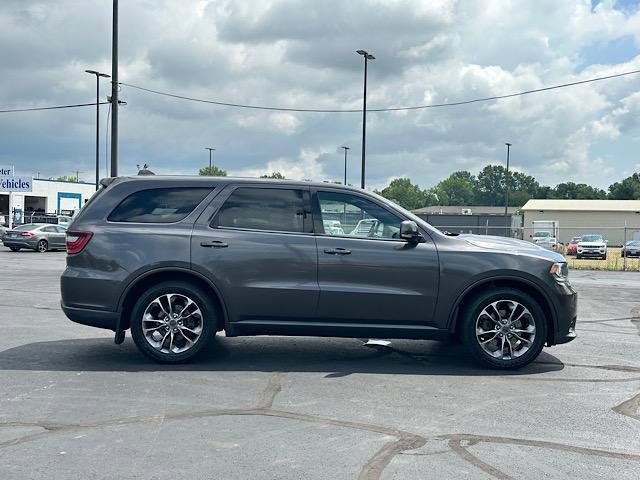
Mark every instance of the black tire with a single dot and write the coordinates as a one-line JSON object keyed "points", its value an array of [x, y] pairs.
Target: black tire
{"points": [[14, 249], [604, 257], [42, 246], [202, 300], [472, 311], [578, 257]]}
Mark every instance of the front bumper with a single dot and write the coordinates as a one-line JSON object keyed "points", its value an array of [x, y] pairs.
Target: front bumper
{"points": [[566, 306], [90, 317]]}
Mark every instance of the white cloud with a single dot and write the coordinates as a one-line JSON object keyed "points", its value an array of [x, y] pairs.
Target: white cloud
{"points": [[296, 53]]}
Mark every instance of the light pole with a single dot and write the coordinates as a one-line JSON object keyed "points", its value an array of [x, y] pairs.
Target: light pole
{"points": [[114, 91], [506, 194], [98, 75], [345, 163], [367, 56], [210, 150]]}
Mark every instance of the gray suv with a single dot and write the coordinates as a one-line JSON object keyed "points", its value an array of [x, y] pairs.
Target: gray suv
{"points": [[177, 259]]}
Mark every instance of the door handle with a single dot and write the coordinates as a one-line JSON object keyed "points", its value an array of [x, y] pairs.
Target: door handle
{"points": [[214, 244], [337, 251]]}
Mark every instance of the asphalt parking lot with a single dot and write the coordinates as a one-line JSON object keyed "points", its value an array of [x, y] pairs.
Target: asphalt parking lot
{"points": [[75, 405]]}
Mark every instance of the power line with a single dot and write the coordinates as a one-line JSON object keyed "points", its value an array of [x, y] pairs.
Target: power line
{"points": [[388, 109], [56, 107]]}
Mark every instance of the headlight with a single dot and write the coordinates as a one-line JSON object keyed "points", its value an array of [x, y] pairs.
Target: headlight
{"points": [[560, 271]]}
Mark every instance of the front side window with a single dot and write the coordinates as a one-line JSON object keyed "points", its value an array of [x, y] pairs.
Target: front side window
{"points": [[270, 209], [346, 215], [159, 205]]}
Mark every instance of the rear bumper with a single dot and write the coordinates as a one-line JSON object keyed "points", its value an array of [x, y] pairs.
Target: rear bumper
{"points": [[92, 318], [16, 243]]}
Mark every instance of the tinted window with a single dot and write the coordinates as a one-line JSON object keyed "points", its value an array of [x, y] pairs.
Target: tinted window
{"points": [[61, 229], [275, 209], [159, 205], [346, 215], [50, 229]]}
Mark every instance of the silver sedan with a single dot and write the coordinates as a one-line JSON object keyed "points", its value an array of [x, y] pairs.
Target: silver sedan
{"points": [[35, 236]]}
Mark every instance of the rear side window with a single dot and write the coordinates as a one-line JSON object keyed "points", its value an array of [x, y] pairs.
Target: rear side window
{"points": [[159, 205], [271, 209]]}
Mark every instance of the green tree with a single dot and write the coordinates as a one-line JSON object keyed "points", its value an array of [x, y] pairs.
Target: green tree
{"points": [[66, 178], [627, 189], [458, 189], [212, 171], [580, 191], [492, 183], [405, 193], [276, 175]]}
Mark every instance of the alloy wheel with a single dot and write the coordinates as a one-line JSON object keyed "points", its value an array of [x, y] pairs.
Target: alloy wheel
{"points": [[505, 329], [172, 323], [42, 246]]}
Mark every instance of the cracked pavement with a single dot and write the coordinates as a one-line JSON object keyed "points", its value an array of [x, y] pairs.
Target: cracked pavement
{"points": [[74, 405]]}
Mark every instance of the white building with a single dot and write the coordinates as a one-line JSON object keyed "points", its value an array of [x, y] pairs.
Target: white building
{"points": [[616, 220], [48, 196]]}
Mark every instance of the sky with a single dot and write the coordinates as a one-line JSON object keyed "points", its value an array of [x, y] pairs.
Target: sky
{"points": [[301, 54]]}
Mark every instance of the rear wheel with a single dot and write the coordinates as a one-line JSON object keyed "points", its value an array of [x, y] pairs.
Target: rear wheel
{"points": [[42, 246], [14, 249], [172, 322], [504, 328]]}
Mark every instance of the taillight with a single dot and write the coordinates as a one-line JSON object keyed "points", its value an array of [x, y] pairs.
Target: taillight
{"points": [[27, 234], [76, 241]]}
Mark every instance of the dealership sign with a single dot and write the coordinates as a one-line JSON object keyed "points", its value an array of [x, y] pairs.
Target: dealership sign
{"points": [[10, 183]]}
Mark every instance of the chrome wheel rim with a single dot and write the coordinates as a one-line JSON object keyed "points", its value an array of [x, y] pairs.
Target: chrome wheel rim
{"points": [[505, 329], [42, 246], [172, 323]]}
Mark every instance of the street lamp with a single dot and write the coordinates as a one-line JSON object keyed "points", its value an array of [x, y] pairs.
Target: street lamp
{"points": [[506, 194], [210, 150], [367, 56], [345, 163], [98, 75]]}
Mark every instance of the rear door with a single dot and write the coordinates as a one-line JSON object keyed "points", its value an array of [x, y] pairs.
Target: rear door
{"points": [[256, 244], [366, 273], [53, 237]]}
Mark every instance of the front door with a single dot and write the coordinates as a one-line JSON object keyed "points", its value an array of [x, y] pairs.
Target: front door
{"points": [[256, 244], [366, 273]]}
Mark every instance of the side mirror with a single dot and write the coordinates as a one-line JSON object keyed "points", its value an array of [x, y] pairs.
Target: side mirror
{"points": [[409, 231]]}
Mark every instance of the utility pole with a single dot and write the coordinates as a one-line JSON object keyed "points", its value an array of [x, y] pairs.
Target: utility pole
{"points": [[506, 195], [78, 172], [114, 91], [98, 75], [367, 56], [210, 150], [345, 163]]}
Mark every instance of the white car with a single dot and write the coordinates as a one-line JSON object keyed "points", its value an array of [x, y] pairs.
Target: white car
{"points": [[333, 227], [592, 246]]}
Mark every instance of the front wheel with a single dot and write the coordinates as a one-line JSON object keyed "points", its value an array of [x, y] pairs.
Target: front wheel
{"points": [[172, 322], [504, 328]]}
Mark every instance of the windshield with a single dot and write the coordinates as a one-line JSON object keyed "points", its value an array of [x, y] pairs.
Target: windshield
{"points": [[542, 234], [592, 238]]}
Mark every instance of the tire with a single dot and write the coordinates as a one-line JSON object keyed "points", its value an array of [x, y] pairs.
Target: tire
{"points": [[604, 257], [578, 257], [14, 249], [474, 313], [203, 323], [42, 246]]}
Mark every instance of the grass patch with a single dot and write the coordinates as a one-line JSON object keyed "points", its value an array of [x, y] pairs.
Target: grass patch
{"points": [[614, 262]]}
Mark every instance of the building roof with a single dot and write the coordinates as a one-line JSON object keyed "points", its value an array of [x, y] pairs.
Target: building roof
{"points": [[458, 210], [583, 205]]}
